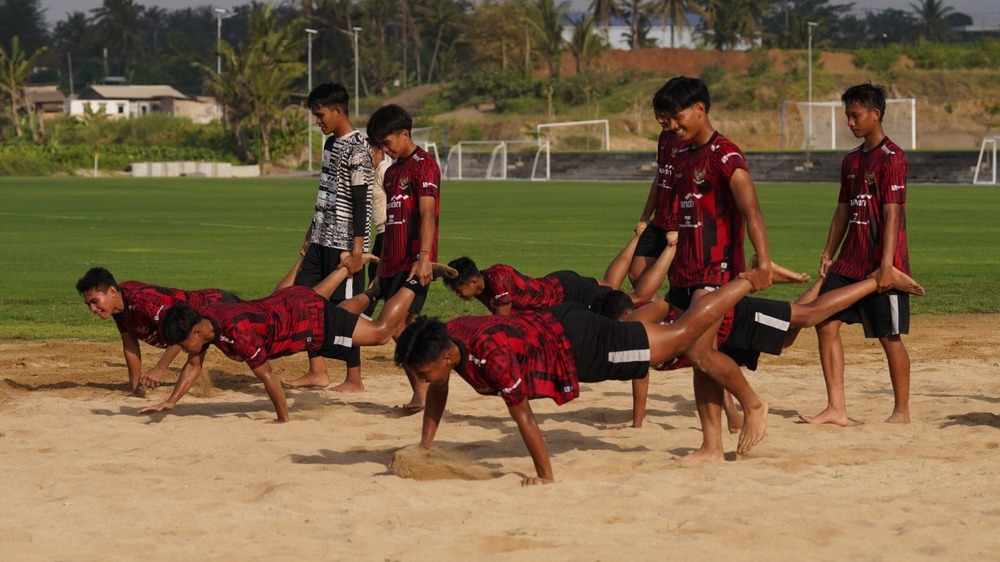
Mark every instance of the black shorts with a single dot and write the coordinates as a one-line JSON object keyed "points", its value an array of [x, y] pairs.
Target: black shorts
{"points": [[882, 315], [321, 261], [338, 333], [680, 297], [652, 242], [759, 326], [603, 348], [389, 286], [580, 289]]}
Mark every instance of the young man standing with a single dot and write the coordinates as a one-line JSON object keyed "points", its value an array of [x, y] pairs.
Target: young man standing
{"points": [[137, 309], [715, 199], [340, 221], [413, 193], [870, 220]]}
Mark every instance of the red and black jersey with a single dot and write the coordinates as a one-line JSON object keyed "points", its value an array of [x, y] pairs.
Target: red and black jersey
{"points": [[667, 149], [710, 227], [519, 357], [505, 285], [144, 304], [869, 180], [406, 181], [289, 321]]}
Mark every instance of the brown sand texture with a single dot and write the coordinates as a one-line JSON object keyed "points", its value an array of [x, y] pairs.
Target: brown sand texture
{"points": [[85, 478]]}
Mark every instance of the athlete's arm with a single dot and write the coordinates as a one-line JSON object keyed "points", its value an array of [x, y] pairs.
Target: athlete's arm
{"points": [[133, 360], [532, 436], [359, 208], [422, 269], [190, 372], [273, 388], [890, 231], [647, 211], [153, 376], [437, 397], [838, 228], [745, 196]]}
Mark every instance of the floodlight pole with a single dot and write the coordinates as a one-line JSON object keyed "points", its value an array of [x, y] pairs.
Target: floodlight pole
{"points": [[219, 13], [309, 124], [357, 72], [809, 127]]}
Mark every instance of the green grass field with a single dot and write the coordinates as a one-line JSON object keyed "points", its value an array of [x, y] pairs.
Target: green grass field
{"points": [[243, 235]]}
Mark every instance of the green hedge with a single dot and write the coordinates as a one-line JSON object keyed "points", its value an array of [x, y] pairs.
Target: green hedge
{"points": [[22, 159]]}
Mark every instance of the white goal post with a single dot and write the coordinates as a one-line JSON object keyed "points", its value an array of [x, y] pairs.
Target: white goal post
{"points": [[422, 137], [542, 129], [824, 126], [985, 158], [544, 154]]}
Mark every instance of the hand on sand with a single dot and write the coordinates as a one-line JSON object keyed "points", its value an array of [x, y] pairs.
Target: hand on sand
{"points": [[161, 407], [152, 377], [536, 481]]}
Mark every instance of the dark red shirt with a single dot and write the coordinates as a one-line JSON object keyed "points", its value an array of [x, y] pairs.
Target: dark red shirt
{"points": [[406, 181], [869, 180], [289, 321], [710, 227], [519, 357], [144, 304], [505, 285], [667, 149]]}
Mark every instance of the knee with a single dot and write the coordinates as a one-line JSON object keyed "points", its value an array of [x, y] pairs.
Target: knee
{"points": [[382, 333]]}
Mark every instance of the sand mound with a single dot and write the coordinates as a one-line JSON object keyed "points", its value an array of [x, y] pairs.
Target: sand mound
{"points": [[418, 463]]}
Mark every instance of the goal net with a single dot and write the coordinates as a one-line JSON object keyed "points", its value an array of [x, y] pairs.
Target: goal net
{"points": [[425, 138], [986, 166], [821, 125], [491, 159], [568, 136]]}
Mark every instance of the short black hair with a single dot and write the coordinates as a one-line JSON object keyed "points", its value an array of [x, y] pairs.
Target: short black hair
{"points": [[614, 304], [177, 323], [466, 269], [680, 93], [96, 278], [386, 120], [869, 95], [421, 342], [330, 94]]}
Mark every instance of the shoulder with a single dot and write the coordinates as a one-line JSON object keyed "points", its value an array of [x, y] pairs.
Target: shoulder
{"points": [[891, 152], [725, 151]]}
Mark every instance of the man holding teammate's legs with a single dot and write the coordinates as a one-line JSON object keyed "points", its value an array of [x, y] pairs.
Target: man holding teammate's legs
{"points": [[413, 193], [869, 229], [340, 222], [714, 196]]}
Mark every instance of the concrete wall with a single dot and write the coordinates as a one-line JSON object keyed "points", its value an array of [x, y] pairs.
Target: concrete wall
{"points": [[924, 167], [198, 169]]}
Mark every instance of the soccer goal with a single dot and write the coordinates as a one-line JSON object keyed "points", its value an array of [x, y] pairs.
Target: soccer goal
{"points": [[491, 159], [987, 163], [424, 138], [821, 125], [594, 134]]}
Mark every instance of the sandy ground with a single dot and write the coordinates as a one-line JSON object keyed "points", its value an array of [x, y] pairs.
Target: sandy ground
{"points": [[86, 478]]}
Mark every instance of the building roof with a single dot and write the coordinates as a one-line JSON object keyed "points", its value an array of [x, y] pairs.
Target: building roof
{"points": [[136, 92], [44, 94]]}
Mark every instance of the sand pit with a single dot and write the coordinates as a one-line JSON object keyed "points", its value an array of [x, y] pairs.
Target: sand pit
{"points": [[87, 479], [417, 463]]}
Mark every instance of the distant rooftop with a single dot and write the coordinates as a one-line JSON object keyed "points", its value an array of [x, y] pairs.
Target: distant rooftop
{"points": [[136, 92]]}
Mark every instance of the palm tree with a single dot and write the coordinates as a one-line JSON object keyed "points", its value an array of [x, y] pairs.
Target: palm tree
{"points": [[545, 17], [637, 14], [15, 69], [586, 43], [676, 12], [933, 16], [727, 23], [603, 10], [119, 24]]}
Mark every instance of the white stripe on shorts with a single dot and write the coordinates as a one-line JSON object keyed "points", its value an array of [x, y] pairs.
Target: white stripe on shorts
{"points": [[349, 289], [628, 356], [776, 323], [342, 341], [894, 314]]}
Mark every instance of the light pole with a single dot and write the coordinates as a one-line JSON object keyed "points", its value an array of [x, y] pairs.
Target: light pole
{"points": [[309, 122], [356, 72], [809, 127], [219, 14]]}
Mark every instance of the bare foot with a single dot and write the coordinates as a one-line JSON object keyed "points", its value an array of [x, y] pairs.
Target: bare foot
{"points": [[409, 409], [701, 457], [366, 258], [784, 275], [898, 417], [827, 416], [754, 428], [349, 386], [308, 380], [905, 283], [734, 421]]}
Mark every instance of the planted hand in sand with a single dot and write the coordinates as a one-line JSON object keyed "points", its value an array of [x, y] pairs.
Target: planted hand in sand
{"points": [[161, 407], [535, 481], [152, 377]]}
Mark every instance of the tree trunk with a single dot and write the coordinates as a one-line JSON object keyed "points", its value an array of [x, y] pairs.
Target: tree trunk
{"points": [[434, 56], [265, 149], [13, 113]]}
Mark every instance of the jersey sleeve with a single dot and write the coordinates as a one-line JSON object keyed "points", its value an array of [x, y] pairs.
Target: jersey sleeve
{"points": [[730, 159], [429, 179], [892, 181], [504, 373], [500, 284], [360, 166], [844, 196], [250, 348]]}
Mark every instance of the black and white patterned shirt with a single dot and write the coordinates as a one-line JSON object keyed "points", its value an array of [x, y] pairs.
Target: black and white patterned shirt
{"points": [[346, 163]]}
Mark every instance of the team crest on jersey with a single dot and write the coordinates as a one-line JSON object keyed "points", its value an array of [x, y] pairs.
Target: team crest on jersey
{"points": [[673, 152], [404, 184], [870, 180], [699, 177]]}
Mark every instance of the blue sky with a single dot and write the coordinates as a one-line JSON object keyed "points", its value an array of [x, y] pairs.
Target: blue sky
{"points": [[984, 12]]}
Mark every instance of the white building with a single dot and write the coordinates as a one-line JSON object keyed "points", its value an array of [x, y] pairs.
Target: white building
{"points": [[120, 101]]}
